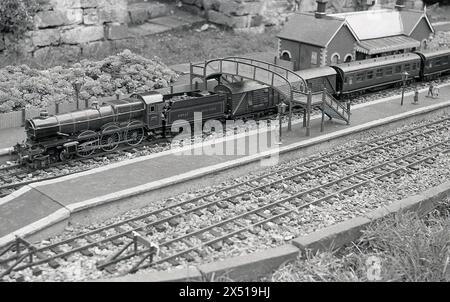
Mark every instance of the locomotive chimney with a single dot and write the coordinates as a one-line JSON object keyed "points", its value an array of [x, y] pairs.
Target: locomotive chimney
{"points": [[95, 104], [321, 6], [400, 5], [43, 114]]}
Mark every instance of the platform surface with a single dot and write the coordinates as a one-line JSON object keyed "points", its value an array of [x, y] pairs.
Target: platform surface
{"points": [[44, 199]]}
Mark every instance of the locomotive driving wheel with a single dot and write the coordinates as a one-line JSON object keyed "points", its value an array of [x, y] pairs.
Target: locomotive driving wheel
{"points": [[88, 142], [134, 136], [64, 156], [110, 138]]}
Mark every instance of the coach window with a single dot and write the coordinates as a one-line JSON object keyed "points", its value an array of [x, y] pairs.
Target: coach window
{"points": [[379, 73], [388, 71], [398, 69], [407, 67], [437, 62], [370, 75], [359, 77]]}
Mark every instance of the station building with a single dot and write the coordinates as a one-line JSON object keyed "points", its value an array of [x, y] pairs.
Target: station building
{"points": [[314, 40]]}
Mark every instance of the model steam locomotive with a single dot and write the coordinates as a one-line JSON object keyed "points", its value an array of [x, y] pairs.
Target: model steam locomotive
{"points": [[131, 120], [144, 116]]}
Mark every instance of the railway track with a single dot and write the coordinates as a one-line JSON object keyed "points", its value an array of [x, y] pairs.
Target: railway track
{"points": [[12, 181], [15, 176], [325, 178]]}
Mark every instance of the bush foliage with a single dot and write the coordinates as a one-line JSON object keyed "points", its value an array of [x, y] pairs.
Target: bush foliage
{"points": [[126, 72], [16, 16]]}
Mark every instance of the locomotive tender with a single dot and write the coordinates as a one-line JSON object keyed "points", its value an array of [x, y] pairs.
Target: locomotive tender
{"points": [[130, 121]]}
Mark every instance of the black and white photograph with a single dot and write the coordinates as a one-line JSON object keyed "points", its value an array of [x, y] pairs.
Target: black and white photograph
{"points": [[226, 147]]}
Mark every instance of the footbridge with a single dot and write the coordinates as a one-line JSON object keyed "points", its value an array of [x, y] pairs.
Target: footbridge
{"points": [[291, 86]]}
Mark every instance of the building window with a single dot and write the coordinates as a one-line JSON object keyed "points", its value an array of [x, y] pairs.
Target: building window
{"points": [[314, 57], [335, 58], [286, 55], [348, 58], [424, 44]]}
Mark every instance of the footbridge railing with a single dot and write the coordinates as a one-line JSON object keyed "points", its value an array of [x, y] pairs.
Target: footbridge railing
{"points": [[288, 83]]}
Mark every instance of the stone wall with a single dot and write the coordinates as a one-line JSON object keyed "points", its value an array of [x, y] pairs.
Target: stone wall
{"points": [[251, 13], [69, 28]]}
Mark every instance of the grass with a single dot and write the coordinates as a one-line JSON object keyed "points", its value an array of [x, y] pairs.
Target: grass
{"points": [[176, 46], [402, 247]]}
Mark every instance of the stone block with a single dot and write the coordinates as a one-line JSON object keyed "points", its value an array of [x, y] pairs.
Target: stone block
{"points": [[23, 46], [46, 37], [115, 31], [73, 16], [96, 49], [237, 8], [138, 16], [83, 34], [157, 10], [211, 4], [89, 3], [90, 16], [65, 4], [48, 54], [231, 21], [49, 19], [194, 10], [113, 14]]}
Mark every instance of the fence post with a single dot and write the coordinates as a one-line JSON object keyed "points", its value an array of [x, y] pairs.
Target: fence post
{"points": [[308, 112], [191, 76], [348, 113], [323, 110], [24, 115], [57, 108]]}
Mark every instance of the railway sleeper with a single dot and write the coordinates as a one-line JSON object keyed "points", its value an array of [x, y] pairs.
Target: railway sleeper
{"points": [[84, 252], [160, 227], [189, 257], [52, 263], [217, 246]]}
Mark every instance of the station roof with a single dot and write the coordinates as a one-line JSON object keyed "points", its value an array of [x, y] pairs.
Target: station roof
{"points": [[364, 25], [308, 29], [381, 45]]}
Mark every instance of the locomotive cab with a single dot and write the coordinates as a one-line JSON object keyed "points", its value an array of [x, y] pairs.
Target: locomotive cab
{"points": [[154, 104]]}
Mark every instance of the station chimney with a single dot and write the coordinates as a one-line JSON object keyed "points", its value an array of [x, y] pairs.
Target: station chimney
{"points": [[321, 7], [400, 5]]}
